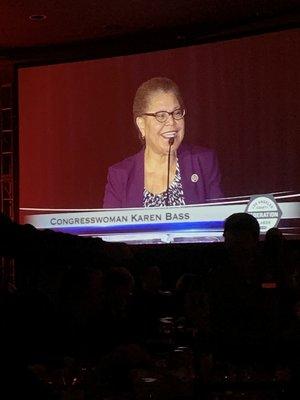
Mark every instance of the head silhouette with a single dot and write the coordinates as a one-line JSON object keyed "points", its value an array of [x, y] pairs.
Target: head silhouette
{"points": [[241, 231]]}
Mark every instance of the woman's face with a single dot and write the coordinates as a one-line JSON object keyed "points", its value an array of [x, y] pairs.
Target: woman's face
{"points": [[157, 134]]}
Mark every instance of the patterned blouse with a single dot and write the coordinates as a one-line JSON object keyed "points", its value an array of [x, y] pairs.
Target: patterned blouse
{"points": [[176, 195]]}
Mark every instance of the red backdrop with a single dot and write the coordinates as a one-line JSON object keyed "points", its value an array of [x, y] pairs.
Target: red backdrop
{"points": [[242, 99]]}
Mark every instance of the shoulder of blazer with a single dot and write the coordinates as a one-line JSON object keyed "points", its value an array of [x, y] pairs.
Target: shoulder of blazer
{"points": [[188, 150], [128, 163]]}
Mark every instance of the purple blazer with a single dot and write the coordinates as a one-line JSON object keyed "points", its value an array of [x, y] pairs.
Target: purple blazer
{"points": [[199, 172]]}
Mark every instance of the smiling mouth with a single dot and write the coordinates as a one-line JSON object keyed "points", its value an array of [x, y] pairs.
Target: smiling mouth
{"points": [[169, 135]]}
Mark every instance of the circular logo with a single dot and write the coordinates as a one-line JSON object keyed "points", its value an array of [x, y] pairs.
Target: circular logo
{"points": [[194, 178], [265, 209]]}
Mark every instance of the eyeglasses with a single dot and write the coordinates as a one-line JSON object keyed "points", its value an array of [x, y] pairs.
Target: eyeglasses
{"points": [[162, 116]]}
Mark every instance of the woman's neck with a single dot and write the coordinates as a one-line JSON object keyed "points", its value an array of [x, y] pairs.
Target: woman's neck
{"points": [[154, 161]]}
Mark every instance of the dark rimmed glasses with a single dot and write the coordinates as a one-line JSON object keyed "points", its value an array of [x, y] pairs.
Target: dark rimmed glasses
{"points": [[162, 116]]}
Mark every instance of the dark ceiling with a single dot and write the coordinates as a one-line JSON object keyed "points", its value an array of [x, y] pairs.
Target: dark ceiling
{"points": [[74, 23]]}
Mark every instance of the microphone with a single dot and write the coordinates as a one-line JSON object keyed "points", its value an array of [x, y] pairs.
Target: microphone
{"points": [[171, 142]]}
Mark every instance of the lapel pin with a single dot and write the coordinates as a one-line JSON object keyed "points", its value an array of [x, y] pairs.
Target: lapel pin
{"points": [[194, 178]]}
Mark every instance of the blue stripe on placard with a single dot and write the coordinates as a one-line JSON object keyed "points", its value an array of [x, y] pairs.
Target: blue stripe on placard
{"points": [[164, 227]]}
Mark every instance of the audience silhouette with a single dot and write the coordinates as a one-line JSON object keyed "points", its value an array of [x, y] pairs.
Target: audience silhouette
{"points": [[92, 302]]}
